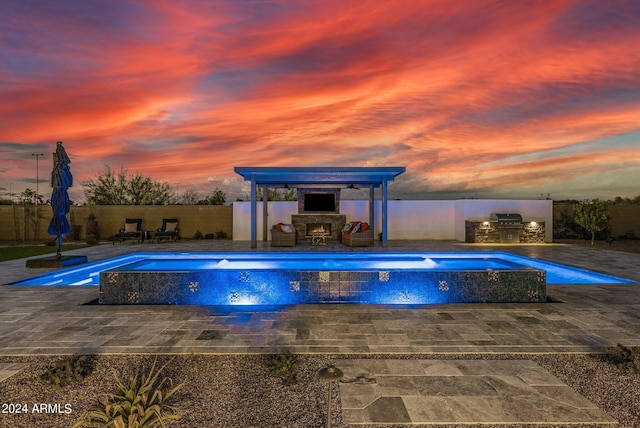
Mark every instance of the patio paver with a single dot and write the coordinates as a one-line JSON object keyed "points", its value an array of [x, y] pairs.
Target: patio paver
{"points": [[582, 318]]}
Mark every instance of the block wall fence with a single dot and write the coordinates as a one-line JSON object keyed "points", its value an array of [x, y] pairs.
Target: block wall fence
{"points": [[407, 219], [193, 218]]}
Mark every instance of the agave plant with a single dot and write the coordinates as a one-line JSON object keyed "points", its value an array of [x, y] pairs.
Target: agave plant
{"points": [[134, 405]]}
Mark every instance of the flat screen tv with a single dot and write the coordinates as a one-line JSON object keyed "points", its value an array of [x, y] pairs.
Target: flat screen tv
{"points": [[319, 202]]}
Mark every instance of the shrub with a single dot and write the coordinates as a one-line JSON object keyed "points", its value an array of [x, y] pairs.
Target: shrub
{"points": [[221, 235], [67, 371], [285, 366], [198, 235], [625, 358], [91, 240], [135, 405]]}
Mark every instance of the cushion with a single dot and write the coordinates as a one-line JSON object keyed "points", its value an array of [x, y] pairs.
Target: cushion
{"points": [[130, 227], [364, 226], [287, 228], [278, 227], [346, 228], [356, 228], [171, 226]]}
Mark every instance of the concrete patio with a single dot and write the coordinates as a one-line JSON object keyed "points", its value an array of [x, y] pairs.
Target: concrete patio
{"points": [[384, 389]]}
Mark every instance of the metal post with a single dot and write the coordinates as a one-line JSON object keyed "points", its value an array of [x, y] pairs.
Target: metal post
{"points": [[384, 212], [254, 239], [265, 208], [329, 374]]}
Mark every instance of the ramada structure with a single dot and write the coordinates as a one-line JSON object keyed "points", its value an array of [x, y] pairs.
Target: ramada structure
{"points": [[318, 193]]}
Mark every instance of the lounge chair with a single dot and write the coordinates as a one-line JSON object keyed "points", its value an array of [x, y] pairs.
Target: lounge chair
{"points": [[169, 230], [283, 235], [357, 234], [132, 230]]}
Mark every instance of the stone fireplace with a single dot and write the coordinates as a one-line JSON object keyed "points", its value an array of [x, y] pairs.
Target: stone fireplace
{"points": [[306, 223], [318, 211]]}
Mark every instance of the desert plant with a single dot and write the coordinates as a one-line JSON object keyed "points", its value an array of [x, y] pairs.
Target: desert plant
{"points": [[198, 235], [285, 366], [626, 359], [221, 235], [67, 371], [136, 405]]}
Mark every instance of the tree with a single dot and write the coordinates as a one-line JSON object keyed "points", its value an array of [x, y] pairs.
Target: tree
{"points": [[276, 195], [190, 197], [29, 200], [217, 197], [593, 216], [122, 188]]}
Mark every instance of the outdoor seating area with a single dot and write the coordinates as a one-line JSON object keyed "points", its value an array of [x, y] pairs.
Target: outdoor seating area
{"points": [[132, 230]]}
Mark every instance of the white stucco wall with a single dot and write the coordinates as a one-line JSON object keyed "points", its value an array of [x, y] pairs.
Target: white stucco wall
{"points": [[420, 219]]}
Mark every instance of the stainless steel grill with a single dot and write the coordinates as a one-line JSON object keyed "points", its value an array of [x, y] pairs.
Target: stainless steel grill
{"points": [[506, 219], [509, 225]]}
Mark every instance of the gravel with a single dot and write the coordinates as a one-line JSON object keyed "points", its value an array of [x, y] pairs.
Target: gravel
{"points": [[239, 391]]}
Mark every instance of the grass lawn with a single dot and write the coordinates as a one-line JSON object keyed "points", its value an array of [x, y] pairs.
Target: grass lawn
{"points": [[19, 252]]}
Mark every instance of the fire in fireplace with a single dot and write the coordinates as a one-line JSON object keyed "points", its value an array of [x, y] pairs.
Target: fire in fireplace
{"points": [[318, 228]]}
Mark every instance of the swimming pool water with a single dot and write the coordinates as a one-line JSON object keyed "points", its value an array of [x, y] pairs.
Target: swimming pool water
{"points": [[89, 274]]}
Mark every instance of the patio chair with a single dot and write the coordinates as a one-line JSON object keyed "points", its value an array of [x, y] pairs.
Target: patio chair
{"points": [[357, 234], [132, 230], [169, 230], [283, 235]]}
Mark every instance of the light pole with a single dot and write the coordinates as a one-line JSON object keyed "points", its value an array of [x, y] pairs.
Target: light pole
{"points": [[37, 155], [330, 374]]}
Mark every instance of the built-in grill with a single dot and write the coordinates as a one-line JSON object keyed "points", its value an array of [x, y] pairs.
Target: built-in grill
{"points": [[509, 225]]}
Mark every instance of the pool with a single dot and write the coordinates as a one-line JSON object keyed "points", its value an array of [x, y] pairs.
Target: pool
{"points": [[294, 278]]}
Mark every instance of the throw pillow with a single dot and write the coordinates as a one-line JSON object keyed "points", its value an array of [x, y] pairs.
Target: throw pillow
{"points": [[278, 227], [171, 227], [130, 227], [364, 226], [287, 228], [356, 228], [346, 228]]}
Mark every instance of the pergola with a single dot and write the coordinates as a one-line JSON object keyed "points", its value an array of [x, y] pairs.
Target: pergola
{"points": [[346, 177]]}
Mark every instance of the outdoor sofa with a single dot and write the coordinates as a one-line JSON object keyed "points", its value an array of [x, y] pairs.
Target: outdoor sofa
{"points": [[357, 234], [283, 235]]}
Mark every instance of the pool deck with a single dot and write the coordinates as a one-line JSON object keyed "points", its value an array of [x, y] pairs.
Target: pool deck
{"points": [[581, 318]]}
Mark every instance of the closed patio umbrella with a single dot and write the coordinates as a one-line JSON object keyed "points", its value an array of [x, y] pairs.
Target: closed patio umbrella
{"points": [[61, 180]]}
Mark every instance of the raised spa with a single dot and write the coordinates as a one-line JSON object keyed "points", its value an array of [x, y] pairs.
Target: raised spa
{"points": [[286, 278]]}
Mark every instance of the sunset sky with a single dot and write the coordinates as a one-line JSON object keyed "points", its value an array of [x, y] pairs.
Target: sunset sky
{"points": [[476, 98]]}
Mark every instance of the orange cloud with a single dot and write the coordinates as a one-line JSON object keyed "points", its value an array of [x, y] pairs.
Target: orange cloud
{"points": [[460, 94]]}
